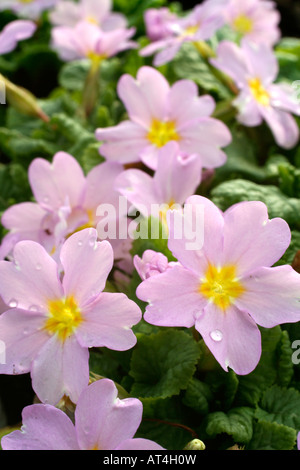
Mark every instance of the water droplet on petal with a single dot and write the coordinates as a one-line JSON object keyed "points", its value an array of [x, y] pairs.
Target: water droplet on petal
{"points": [[13, 303], [80, 243], [46, 199], [34, 308], [216, 335], [38, 267]]}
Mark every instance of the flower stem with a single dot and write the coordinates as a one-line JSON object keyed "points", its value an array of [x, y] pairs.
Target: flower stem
{"points": [[91, 88]]}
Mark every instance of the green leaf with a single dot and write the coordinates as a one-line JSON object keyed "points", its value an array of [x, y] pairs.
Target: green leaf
{"points": [[285, 369], [252, 386], [280, 405], [167, 422], [237, 423], [279, 205], [197, 396], [188, 64], [163, 363], [272, 436]]}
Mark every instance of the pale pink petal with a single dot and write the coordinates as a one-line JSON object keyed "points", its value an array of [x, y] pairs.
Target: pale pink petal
{"points": [[60, 368], [251, 240], [232, 61], [123, 142], [103, 421], [31, 280], [86, 264], [22, 333], [232, 337], [272, 296], [283, 97], [202, 224], [58, 184], [144, 98], [248, 109], [261, 60], [139, 444], [44, 428], [176, 178], [185, 105], [283, 126], [173, 298], [138, 187], [99, 185], [107, 323], [205, 138]]}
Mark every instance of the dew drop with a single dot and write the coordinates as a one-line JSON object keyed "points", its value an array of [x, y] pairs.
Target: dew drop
{"points": [[38, 267], [216, 335], [46, 199], [13, 303], [33, 308], [80, 243]]}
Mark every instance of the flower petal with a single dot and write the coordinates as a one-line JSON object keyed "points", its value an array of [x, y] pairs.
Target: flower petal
{"points": [[31, 280], [173, 298], [60, 368], [272, 296], [44, 428], [144, 98], [86, 264], [232, 337], [251, 240], [102, 420], [58, 184], [107, 323], [21, 332]]}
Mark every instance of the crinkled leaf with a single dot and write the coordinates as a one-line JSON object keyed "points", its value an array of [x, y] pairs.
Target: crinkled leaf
{"points": [[280, 405], [279, 205], [163, 363], [237, 423], [272, 436]]}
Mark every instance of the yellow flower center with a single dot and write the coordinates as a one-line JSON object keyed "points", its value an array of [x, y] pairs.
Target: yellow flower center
{"points": [[64, 317], [26, 1], [259, 92], [190, 31], [161, 133], [221, 286], [243, 24], [95, 58], [163, 212], [91, 19]]}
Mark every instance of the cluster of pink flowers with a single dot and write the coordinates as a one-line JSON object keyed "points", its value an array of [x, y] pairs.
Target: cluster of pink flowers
{"points": [[54, 266], [89, 30]]}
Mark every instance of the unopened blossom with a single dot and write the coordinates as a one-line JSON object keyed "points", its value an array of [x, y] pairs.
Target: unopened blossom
{"points": [[87, 40], [151, 263], [28, 8], [160, 113], [14, 32], [228, 286], [175, 179], [54, 319], [68, 13], [103, 421], [158, 22], [254, 69], [199, 25], [66, 201], [256, 20]]}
